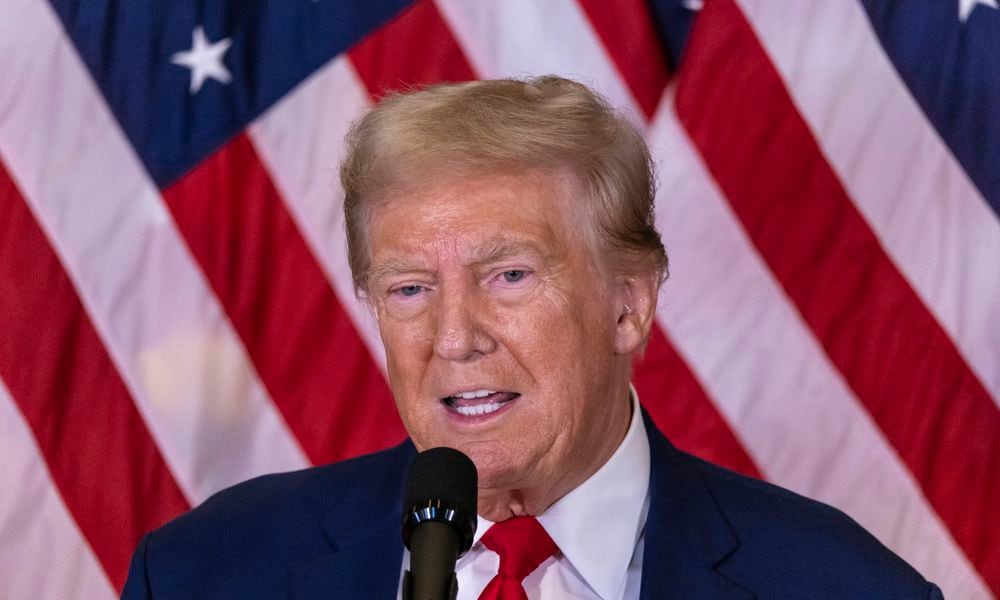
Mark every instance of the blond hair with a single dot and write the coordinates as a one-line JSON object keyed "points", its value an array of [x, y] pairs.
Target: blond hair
{"points": [[507, 125]]}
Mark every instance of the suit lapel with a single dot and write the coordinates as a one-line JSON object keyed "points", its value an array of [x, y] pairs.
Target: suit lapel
{"points": [[363, 530], [367, 568], [687, 537]]}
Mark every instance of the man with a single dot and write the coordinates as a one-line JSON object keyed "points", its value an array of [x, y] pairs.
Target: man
{"points": [[502, 232]]}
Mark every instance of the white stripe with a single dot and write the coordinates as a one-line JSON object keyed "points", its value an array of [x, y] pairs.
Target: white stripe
{"points": [[301, 140], [519, 37], [43, 554], [770, 378], [731, 322], [177, 353], [923, 207]]}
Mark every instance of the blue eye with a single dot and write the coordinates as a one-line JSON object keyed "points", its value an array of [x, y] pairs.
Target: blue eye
{"points": [[410, 290], [514, 275]]}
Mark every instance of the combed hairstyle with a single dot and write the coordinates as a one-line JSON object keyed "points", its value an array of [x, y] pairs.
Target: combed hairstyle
{"points": [[507, 125]]}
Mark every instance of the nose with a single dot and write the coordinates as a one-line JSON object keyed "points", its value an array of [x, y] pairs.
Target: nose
{"points": [[461, 335]]}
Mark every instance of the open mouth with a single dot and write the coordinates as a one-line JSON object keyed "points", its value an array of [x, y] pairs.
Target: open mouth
{"points": [[478, 402]]}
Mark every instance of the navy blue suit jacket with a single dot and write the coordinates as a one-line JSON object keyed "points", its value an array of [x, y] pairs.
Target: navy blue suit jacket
{"points": [[334, 532]]}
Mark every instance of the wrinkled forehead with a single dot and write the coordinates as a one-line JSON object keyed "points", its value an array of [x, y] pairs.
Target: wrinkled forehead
{"points": [[448, 188], [482, 216]]}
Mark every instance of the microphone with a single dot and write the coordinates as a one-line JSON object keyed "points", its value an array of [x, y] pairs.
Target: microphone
{"points": [[439, 520]]}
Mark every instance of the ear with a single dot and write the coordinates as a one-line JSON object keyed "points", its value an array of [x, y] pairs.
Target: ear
{"points": [[636, 295]]}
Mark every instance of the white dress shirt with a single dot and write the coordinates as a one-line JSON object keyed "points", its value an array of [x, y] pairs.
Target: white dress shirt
{"points": [[598, 528]]}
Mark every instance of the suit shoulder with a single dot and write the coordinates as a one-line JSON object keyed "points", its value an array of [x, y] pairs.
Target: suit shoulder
{"points": [[250, 533], [741, 496], [811, 542], [295, 495]]}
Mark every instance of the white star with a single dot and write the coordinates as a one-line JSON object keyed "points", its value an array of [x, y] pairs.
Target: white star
{"points": [[204, 60], [694, 5], [965, 7]]}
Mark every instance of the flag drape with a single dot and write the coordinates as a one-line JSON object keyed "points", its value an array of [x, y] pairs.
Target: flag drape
{"points": [[177, 314]]}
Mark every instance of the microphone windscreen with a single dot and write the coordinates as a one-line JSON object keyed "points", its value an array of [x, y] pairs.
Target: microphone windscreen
{"points": [[443, 477]]}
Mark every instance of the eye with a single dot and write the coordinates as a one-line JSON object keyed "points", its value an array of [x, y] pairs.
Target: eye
{"points": [[514, 275], [410, 290]]}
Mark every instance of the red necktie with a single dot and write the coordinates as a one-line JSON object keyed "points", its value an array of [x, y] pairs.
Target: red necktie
{"points": [[522, 545]]}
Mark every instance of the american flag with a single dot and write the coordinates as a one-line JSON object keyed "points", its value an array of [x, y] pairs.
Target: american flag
{"points": [[176, 311]]}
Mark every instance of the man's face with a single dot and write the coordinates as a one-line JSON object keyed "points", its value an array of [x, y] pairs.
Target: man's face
{"points": [[500, 326]]}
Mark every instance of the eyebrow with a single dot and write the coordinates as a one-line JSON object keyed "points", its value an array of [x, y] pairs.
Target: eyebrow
{"points": [[393, 267], [497, 250], [490, 251]]}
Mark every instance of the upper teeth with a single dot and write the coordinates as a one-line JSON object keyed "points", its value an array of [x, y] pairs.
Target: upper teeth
{"points": [[474, 394]]}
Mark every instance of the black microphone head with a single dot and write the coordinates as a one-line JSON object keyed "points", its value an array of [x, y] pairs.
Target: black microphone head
{"points": [[442, 486]]}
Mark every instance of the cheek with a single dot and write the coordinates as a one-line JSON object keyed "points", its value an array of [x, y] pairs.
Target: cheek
{"points": [[562, 339], [578, 316], [407, 347]]}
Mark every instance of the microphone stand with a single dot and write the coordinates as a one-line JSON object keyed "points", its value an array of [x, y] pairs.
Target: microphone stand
{"points": [[439, 521], [434, 548], [437, 579]]}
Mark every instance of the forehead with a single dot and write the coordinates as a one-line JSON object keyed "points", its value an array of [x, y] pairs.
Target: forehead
{"points": [[476, 217]]}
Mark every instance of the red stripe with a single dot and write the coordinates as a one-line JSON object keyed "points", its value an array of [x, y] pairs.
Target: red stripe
{"points": [[303, 344], [415, 48], [100, 455], [682, 410], [898, 360], [626, 28]]}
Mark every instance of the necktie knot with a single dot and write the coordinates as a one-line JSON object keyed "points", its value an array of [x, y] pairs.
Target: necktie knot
{"points": [[522, 544]]}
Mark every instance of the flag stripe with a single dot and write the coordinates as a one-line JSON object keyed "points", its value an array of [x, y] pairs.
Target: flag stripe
{"points": [[301, 142], [869, 321], [283, 308], [768, 375], [931, 220], [184, 366], [71, 569], [514, 39], [626, 28], [415, 48], [681, 409], [960, 100], [45, 326]]}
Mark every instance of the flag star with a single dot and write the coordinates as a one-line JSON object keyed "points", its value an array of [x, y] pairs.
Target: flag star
{"points": [[204, 59], [694, 5], [965, 7]]}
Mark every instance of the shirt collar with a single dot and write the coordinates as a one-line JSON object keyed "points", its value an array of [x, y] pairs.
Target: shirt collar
{"points": [[598, 524], [614, 497]]}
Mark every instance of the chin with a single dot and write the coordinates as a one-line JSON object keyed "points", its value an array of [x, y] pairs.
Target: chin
{"points": [[496, 469]]}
